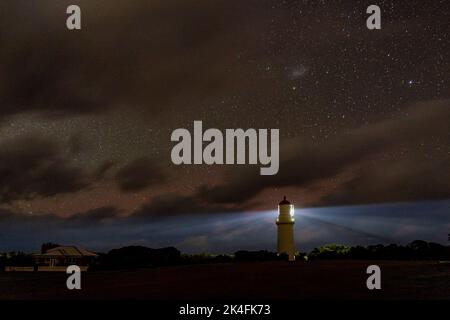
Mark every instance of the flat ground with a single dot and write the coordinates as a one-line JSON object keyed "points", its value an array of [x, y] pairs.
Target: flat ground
{"points": [[265, 280]]}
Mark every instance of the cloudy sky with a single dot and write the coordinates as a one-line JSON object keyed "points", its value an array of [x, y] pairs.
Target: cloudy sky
{"points": [[86, 118]]}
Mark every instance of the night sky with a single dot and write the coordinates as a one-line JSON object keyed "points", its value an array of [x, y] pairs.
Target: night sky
{"points": [[86, 118]]}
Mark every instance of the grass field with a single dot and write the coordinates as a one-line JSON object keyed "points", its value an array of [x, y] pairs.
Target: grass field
{"points": [[264, 280]]}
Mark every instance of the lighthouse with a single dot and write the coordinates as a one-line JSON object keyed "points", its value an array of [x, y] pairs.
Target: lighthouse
{"points": [[285, 223]]}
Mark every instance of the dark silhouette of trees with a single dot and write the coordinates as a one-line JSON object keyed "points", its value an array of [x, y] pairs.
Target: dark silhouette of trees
{"points": [[138, 257], [330, 251], [142, 257], [18, 259], [416, 250]]}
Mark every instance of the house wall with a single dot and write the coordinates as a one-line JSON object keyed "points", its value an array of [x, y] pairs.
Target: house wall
{"points": [[58, 268], [18, 269]]}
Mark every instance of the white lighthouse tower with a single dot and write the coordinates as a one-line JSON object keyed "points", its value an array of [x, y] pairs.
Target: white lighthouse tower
{"points": [[285, 223]]}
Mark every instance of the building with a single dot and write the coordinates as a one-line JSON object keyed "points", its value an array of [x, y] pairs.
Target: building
{"points": [[285, 223], [59, 258]]}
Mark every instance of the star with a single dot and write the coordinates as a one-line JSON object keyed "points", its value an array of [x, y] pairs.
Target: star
{"points": [[411, 82]]}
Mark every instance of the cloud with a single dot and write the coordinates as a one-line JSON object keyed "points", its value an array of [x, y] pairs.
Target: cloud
{"points": [[31, 166], [139, 174], [176, 204], [158, 53], [104, 168], [303, 162], [405, 180], [92, 217]]}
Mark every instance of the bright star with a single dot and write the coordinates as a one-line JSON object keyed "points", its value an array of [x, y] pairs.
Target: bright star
{"points": [[412, 82]]}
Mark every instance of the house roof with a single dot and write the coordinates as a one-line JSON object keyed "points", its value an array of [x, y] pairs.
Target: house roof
{"points": [[68, 251]]}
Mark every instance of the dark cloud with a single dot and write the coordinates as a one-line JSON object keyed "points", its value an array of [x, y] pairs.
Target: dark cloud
{"points": [[403, 180], [92, 217], [303, 162], [7, 216], [32, 166], [139, 174], [175, 204], [76, 145], [144, 55], [103, 169]]}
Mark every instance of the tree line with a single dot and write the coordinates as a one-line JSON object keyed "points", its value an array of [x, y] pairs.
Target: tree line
{"points": [[142, 257]]}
